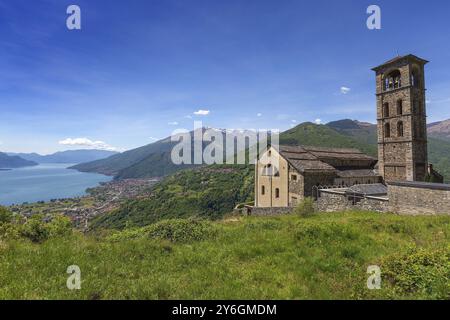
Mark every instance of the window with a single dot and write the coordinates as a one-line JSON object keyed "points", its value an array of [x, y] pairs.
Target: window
{"points": [[270, 153], [400, 129], [263, 190], [393, 80], [277, 193], [294, 177], [387, 130], [399, 107], [386, 110]]}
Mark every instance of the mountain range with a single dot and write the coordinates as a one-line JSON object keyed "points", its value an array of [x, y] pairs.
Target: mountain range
{"points": [[154, 160], [12, 162], [69, 156]]}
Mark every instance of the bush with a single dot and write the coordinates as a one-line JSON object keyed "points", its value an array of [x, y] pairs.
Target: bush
{"points": [[5, 215], [60, 226], [182, 230], [175, 230], [419, 273], [305, 208], [35, 229], [9, 231]]}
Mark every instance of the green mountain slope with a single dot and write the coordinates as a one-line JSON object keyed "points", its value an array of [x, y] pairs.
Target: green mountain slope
{"points": [[116, 163], [207, 191], [11, 162], [310, 134]]}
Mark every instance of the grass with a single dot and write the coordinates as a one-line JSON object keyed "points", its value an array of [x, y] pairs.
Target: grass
{"points": [[323, 256]]}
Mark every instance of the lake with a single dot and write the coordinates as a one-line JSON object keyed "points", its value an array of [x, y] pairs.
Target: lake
{"points": [[45, 182]]}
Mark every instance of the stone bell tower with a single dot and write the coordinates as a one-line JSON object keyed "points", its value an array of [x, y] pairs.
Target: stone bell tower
{"points": [[401, 118]]}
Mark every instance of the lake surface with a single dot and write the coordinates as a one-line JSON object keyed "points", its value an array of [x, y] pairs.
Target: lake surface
{"points": [[45, 182]]}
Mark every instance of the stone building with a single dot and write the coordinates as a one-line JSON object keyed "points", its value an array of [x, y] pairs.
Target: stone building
{"points": [[287, 175], [401, 118]]}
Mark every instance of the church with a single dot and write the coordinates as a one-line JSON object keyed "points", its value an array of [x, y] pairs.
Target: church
{"points": [[287, 174]]}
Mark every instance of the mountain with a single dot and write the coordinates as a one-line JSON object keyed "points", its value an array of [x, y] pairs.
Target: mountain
{"points": [[69, 156], [10, 162], [153, 160], [439, 130], [339, 136]]}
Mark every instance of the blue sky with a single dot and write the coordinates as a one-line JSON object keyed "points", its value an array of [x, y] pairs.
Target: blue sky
{"points": [[140, 69]]}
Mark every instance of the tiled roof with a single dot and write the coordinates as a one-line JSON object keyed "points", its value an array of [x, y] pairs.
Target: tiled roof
{"points": [[356, 173], [305, 158]]}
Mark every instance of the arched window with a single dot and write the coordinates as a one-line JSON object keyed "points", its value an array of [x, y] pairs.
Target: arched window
{"points": [[277, 193], [393, 80], [386, 110], [387, 130], [400, 129], [263, 190], [399, 107]]}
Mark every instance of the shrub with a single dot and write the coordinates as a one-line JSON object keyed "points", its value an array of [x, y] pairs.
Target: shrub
{"points": [[60, 226], [35, 229], [419, 273], [181, 230], [5, 215], [9, 231], [175, 230], [305, 208]]}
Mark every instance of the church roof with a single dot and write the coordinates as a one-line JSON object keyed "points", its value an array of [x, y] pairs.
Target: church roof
{"points": [[305, 158], [399, 58]]}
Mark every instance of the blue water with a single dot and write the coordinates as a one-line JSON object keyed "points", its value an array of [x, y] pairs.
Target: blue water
{"points": [[45, 182]]}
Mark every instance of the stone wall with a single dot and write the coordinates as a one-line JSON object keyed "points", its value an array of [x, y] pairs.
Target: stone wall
{"points": [[334, 201], [419, 198]]}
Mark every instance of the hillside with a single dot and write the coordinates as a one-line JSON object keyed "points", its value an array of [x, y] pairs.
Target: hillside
{"points": [[440, 130], [11, 162], [324, 256], [69, 156], [208, 192], [153, 160], [310, 134]]}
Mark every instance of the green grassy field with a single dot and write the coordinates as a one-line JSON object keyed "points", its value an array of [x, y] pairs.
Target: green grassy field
{"points": [[324, 256]]}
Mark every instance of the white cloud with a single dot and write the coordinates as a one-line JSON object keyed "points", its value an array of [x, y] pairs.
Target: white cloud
{"points": [[173, 123], [294, 121], [85, 142], [259, 114], [201, 112], [318, 121], [345, 90]]}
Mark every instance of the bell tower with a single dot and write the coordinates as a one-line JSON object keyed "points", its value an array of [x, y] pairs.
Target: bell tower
{"points": [[401, 119]]}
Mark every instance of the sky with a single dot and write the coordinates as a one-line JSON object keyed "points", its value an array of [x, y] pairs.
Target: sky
{"points": [[137, 70]]}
